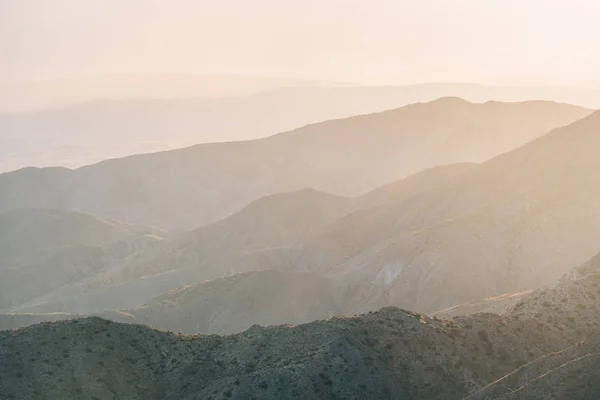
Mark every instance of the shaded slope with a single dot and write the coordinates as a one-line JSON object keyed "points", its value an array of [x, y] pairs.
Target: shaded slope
{"points": [[232, 304], [41, 250]]}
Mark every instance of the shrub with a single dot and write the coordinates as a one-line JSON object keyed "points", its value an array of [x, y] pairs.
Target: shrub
{"points": [[483, 335]]}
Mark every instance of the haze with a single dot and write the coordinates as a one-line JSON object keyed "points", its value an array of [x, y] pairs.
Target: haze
{"points": [[531, 42], [273, 200]]}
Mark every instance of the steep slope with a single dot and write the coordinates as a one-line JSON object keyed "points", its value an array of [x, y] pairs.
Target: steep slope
{"points": [[386, 354], [508, 225], [569, 310], [202, 184], [41, 250]]}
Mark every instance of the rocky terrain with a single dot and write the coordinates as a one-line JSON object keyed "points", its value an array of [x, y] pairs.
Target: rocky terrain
{"points": [[547, 337]]}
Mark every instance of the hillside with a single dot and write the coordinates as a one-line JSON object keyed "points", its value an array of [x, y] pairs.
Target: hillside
{"points": [[267, 234], [447, 236], [508, 225], [223, 306], [232, 304], [42, 249], [198, 185], [386, 354], [494, 305]]}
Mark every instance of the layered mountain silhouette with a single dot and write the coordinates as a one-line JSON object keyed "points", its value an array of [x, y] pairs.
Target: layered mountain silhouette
{"points": [[36, 95], [268, 233], [42, 249], [443, 237], [546, 345], [78, 123], [234, 303], [507, 225], [195, 186], [448, 235]]}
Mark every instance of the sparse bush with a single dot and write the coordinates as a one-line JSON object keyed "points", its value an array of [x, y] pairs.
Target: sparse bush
{"points": [[483, 335]]}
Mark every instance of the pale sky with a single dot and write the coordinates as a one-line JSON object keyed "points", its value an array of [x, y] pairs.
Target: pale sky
{"points": [[364, 41]]}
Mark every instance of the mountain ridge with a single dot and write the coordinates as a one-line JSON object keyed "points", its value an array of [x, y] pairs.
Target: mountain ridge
{"points": [[333, 156]]}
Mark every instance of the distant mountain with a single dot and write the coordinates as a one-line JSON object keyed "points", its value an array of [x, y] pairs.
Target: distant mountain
{"points": [[195, 186], [446, 236], [270, 233], [149, 114], [548, 343], [508, 225], [41, 250], [37, 95]]}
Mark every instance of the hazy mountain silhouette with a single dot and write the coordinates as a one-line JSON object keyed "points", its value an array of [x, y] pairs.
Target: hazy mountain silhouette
{"points": [[202, 184], [500, 227], [507, 225], [36, 95], [143, 118], [268, 233]]}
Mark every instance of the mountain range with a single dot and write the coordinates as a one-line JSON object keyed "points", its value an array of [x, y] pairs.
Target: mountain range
{"points": [[198, 185], [470, 215], [445, 236], [145, 116]]}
